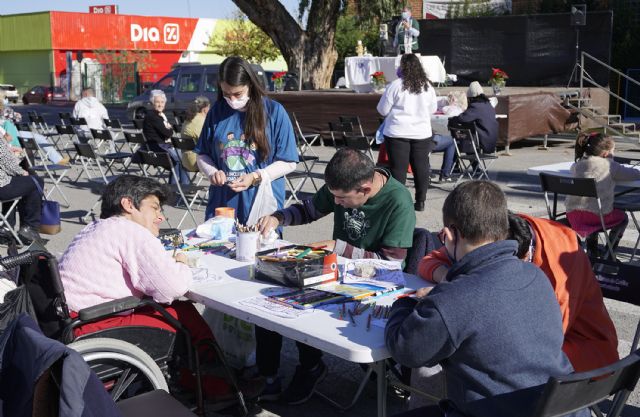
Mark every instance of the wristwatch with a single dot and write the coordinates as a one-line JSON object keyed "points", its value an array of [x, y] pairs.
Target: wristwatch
{"points": [[256, 178]]}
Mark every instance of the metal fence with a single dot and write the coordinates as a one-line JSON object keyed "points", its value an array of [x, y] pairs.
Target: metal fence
{"points": [[112, 82]]}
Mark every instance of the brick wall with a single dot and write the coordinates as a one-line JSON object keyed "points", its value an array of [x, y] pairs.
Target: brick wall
{"points": [[416, 8]]}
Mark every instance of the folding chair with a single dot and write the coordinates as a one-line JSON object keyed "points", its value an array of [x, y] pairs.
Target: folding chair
{"points": [[6, 214], [164, 164], [581, 187], [472, 161], [138, 124], [66, 130], [65, 118], [350, 138], [187, 145], [337, 131], [88, 158], [355, 123], [302, 176], [619, 281], [629, 202], [117, 131], [81, 128], [104, 137], [306, 140], [566, 394], [40, 125], [55, 172]]}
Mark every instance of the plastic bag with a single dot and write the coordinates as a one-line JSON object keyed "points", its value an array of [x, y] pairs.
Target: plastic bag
{"points": [[16, 302], [265, 203], [235, 337]]}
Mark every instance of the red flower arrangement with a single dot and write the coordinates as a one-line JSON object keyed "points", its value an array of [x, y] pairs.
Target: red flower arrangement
{"points": [[378, 78], [278, 78], [498, 77]]}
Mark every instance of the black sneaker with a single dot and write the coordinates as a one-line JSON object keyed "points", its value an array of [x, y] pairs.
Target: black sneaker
{"points": [[28, 235], [303, 384]]}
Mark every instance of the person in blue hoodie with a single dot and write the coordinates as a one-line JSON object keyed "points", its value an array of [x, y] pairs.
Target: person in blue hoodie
{"points": [[495, 327]]}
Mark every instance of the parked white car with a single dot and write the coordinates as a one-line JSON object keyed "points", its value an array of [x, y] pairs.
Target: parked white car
{"points": [[11, 92]]}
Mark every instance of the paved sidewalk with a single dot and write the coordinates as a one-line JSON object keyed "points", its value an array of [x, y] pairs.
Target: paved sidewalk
{"points": [[509, 172]]}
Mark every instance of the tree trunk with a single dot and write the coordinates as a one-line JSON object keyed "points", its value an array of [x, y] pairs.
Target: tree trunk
{"points": [[311, 53]]}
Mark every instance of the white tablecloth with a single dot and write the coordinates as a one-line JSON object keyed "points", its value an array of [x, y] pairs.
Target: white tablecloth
{"points": [[358, 70]]}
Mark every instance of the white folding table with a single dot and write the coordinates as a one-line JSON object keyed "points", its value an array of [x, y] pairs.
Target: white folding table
{"points": [[564, 169], [321, 329], [358, 70]]}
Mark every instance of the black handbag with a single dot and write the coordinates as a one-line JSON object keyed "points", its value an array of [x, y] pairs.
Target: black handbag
{"points": [[50, 213]]}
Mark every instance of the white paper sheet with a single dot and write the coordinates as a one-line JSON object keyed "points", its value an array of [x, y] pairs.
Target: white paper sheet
{"points": [[387, 272], [266, 305]]}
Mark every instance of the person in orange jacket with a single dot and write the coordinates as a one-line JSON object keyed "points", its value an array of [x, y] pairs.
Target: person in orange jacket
{"points": [[590, 339]]}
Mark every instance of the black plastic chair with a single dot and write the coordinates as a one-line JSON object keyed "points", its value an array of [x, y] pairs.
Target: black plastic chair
{"points": [[163, 164], [581, 187], [567, 394]]}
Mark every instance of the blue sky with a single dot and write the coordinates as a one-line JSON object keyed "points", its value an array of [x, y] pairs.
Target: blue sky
{"points": [[177, 8]]}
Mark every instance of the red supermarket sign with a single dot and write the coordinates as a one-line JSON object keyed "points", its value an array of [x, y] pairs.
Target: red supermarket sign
{"points": [[89, 31], [106, 9]]}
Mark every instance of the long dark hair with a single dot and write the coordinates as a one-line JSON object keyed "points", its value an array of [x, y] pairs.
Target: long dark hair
{"points": [[414, 78], [235, 71], [592, 144]]}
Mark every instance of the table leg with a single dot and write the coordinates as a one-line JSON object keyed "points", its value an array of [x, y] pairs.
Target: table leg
{"points": [[381, 372]]}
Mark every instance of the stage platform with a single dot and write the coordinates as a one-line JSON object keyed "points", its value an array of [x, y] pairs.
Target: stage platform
{"points": [[531, 111]]}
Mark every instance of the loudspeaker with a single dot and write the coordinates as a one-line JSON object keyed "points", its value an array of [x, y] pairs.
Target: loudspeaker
{"points": [[578, 14]]}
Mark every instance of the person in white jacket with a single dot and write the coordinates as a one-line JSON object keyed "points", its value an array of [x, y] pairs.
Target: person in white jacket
{"points": [[407, 105], [90, 108]]}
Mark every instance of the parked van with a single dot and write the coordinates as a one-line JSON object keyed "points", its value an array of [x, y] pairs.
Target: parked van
{"points": [[182, 85]]}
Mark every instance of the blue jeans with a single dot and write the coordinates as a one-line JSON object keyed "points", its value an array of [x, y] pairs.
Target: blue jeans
{"points": [[445, 144]]}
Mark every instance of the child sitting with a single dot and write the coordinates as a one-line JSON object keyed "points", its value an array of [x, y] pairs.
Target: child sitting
{"points": [[594, 159], [494, 326]]}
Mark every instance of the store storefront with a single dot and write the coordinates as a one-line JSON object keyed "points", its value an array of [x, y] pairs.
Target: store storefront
{"points": [[60, 48]]}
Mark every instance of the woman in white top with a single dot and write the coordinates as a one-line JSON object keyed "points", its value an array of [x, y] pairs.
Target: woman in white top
{"points": [[407, 104]]}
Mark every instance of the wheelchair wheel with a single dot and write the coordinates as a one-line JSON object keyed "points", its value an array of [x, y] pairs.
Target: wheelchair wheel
{"points": [[123, 368]]}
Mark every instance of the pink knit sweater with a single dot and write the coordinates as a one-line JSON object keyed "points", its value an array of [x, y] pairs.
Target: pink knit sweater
{"points": [[115, 258]]}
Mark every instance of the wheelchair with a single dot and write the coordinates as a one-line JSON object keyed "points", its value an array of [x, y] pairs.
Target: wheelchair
{"points": [[128, 360]]}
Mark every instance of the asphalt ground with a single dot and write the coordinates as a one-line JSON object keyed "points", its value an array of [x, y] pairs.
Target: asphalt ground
{"points": [[523, 194]]}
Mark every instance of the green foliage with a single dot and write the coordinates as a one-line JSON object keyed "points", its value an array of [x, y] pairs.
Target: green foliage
{"points": [[349, 31], [360, 21], [244, 39], [143, 59]]}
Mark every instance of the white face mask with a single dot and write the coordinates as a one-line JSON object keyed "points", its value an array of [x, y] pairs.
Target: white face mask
{"points": [[406, 15], [237, 104]]}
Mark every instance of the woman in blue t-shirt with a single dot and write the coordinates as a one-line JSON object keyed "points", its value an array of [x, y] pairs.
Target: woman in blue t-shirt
{"points": [[246, 138]]}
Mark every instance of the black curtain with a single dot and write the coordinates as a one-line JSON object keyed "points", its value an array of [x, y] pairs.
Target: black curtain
{"points": [[534, 50]]}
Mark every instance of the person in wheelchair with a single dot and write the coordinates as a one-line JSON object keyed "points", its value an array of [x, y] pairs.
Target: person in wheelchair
{"points": [[120, 256]]}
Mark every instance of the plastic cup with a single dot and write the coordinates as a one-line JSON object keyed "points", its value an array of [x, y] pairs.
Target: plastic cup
{"points": [[247, 244]]}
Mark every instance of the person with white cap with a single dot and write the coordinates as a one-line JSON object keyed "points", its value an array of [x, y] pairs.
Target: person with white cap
{"points": [[481, 112]]}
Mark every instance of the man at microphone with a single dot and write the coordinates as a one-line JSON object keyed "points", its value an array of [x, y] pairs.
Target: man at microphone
{"points": [[407, 32]]}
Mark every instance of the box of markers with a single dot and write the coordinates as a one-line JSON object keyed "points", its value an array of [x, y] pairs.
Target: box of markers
{"points": [[297, 266]]}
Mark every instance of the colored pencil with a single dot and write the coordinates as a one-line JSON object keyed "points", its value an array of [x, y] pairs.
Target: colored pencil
{"points": [[353, 320]]}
